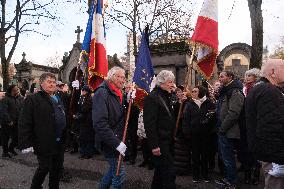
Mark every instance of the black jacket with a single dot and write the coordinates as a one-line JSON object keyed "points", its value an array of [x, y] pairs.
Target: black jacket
{"points": [[83, 118], [37, 125], [108, 120], [11, 107], [265, 122], [198, 121], [159, 122]]}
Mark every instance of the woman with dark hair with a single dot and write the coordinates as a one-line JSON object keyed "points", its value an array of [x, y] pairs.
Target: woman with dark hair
{"points": [[198, 121], [83, 118], [11, 106]]}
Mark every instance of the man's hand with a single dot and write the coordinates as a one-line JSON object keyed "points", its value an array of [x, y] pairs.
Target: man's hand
{"points": [[121, 148], [28, 150], [156, 152], [11, 123]]}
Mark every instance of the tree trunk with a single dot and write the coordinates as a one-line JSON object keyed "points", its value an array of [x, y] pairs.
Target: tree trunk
{"points": [[257, 33], [4, 62]]}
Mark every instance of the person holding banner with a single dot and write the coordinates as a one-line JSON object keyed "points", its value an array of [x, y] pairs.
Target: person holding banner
{"points": [[108, 114], [159, 123]]}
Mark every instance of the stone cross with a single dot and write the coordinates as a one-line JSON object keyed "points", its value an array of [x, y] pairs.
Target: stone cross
{"points": [[78, 31], [24, 56]]}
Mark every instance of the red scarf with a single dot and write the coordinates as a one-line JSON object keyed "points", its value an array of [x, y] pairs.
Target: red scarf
{"points": [[116, 91]]}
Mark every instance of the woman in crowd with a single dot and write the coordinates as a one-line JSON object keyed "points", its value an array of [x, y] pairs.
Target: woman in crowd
{"points": [[250, 165], [198, 121], [84, 119], [182, 143]]}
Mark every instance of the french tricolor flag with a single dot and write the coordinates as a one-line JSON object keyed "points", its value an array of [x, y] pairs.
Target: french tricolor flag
{"points": [[94, 46], [205, 37]]}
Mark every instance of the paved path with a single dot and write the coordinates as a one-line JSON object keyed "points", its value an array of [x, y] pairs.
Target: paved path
{"points": [[16, 173]]}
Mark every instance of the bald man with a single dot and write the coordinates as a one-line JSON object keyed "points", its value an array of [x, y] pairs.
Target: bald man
{"points": [[265, 120]]}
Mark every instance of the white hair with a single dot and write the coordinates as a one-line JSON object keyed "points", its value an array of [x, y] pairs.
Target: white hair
{"points": [[270, 64], [113, 71], [164, 76], [254, 71]]}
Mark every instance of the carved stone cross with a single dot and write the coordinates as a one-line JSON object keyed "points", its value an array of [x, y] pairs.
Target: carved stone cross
{"points": [[24, 56], [78, 31]]}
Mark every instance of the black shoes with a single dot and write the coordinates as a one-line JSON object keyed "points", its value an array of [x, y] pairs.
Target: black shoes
{"points": [[143, 164], [12, 151], [6, 155]]}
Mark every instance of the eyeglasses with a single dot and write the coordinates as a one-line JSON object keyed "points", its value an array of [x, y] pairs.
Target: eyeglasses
{"points": [[121, 77]]}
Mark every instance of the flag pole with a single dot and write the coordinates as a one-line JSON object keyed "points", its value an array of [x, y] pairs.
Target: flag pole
{"points": [[120, 158], [189, 67]]}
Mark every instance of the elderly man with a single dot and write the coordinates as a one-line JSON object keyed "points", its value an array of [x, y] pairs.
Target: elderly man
{"points": [[41, 127], [229, 108], [108, 120], [159, 123], [265, 121]]}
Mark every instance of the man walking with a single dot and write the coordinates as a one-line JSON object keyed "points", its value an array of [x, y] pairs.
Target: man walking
{"points": [[41, 126], [229, 106], [265, 122], [108, 120], [159, 123]]}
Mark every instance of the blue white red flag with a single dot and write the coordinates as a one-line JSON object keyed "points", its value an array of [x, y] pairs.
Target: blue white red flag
{"points": [[93, 52]]}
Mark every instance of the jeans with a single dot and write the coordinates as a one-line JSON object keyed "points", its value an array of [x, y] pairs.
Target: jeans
{"points": [[110, 177], [226, 147]]}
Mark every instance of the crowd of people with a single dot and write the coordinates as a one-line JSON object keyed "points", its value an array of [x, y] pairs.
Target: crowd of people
{"points": [[237, 125]]}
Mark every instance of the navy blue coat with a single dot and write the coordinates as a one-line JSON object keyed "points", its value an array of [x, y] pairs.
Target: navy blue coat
{"points": [[108, 116]]}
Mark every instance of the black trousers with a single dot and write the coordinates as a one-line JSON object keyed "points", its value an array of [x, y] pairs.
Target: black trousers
{"points": [[8, 132], [48, 164], [200, 156], [164, 175], [146, 152]]}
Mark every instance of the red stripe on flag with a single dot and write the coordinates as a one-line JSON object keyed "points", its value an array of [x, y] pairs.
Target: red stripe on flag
{"points": [[206, 32], [206, 66], [98, 65]]}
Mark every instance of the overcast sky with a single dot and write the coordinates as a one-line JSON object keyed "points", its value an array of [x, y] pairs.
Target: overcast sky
{"points": [[234, 26]]}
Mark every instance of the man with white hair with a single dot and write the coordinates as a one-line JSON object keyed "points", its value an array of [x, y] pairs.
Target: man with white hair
{"points": [[265, 122], [108, 114], [159, 122]]}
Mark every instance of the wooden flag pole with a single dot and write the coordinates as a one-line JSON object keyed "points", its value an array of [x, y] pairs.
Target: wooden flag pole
{"points": [[189, 66], [124, 134]]}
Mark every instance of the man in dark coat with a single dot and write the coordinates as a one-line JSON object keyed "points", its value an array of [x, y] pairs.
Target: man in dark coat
{"points": [[159, 123], [229, 108], [108, 120], [11, 106], [265, 120], [41, 126]]}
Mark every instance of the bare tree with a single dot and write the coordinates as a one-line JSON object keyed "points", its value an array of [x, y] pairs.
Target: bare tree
{"points": [[165, 18], [257, 33], [279, 50], [18, 17]]}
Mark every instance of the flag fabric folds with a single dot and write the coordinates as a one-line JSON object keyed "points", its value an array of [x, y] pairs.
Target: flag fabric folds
{"points": [[144, 72], [93, 54], [205, 37]]}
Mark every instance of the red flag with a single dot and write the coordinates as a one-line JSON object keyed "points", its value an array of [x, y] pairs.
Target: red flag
{"points": [[206, 37]]}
